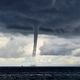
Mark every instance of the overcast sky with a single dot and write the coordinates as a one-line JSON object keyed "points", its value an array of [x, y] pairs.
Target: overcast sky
{"points": [[59, 32]]}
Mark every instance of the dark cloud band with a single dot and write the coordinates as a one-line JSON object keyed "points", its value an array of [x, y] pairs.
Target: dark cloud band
{"points": [[54, 16]]}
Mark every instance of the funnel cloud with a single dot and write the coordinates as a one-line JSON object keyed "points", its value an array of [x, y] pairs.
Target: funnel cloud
{"points": [[36, 29]]}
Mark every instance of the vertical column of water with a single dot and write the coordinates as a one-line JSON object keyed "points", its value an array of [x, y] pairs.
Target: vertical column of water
{"points": [[36, 29]]}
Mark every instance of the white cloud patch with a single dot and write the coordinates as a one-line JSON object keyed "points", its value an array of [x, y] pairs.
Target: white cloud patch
{"points": [[3, 41], [15, 46], [11, 61]]}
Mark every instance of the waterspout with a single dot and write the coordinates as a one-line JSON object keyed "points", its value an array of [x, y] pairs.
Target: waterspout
{"points": [[36, 29]]}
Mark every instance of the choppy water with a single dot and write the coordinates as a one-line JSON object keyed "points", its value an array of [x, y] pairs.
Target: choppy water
{"points": [[40, 76]]}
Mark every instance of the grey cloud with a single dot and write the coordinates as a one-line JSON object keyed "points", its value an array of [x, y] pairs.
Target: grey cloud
{"points": [[55, 51], [61, 46], [76, 52]]}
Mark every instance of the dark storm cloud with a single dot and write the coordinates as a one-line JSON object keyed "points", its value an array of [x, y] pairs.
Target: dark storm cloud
{"points": [[57, 16]]}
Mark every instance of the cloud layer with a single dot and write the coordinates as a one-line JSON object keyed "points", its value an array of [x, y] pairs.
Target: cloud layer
{"points": [[51, 50], [59, 17]]}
